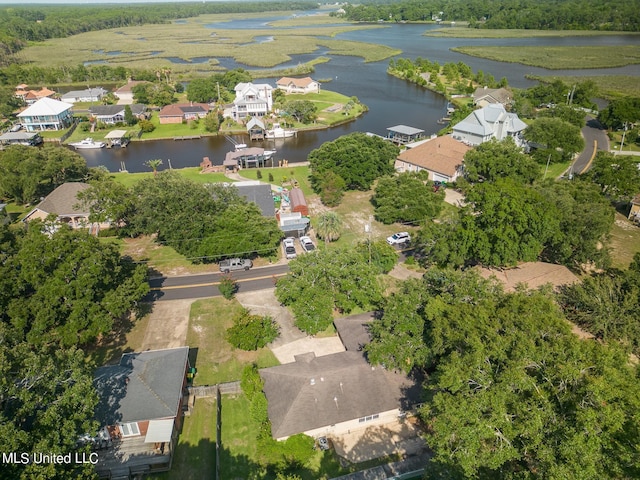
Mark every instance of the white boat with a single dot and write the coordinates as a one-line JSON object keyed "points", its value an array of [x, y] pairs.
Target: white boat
{"points": [[278, 132], [87, 143]]}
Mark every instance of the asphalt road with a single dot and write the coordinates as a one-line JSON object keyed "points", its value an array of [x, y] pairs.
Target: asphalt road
{"points": [[206, 285], [592, 132]]}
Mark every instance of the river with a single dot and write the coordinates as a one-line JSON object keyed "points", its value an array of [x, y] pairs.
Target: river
{"points": [[391, 101]]}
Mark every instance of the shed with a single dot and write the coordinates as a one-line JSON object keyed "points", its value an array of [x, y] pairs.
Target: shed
{"points": [[298, 202]]}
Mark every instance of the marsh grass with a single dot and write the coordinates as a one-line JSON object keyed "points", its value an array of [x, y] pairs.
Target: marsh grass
{"points": [[559, 58], [192, 47]]}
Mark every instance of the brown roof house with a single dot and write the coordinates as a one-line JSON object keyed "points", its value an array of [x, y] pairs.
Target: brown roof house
{"points": [[178, 113], [64, 204], [140, 411], [298, 85], [340, 395], [441, 157], [483, 96]]}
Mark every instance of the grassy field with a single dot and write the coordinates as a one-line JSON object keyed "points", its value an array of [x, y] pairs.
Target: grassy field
{"points": [[153, 46], [625, 241], [559, 58], [460, 32], [218, 361]]}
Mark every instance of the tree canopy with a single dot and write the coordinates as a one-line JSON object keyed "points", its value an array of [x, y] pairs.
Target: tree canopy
{"points": [[493, 160], [204, 223], [617, 175], [559, 138], [27, 173], [406, 198], [328, 280], [356, 158], [511, 392]]}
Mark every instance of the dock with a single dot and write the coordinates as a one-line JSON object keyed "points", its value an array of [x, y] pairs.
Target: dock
{"points": [[188, 137]]}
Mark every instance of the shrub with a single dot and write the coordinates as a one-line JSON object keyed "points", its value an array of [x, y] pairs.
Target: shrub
{"points": [[251, 332], [270, 177], [228, 287], [258, 174], [146, 126]]}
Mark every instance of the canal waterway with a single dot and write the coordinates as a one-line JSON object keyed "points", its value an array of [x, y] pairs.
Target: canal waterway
{"points": [[391, 101]]}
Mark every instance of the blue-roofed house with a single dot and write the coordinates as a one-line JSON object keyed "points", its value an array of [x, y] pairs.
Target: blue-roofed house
{"points": [[140, 409], [491, 121]]}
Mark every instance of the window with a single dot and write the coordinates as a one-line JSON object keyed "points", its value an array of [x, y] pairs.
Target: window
{"points": [[368, 418], [129, 429]]}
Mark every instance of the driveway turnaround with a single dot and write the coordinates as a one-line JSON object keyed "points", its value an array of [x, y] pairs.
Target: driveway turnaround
{"points": [[291, 341]]}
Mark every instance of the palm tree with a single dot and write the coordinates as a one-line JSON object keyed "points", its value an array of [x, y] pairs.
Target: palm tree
{"points": [[153, 165], [329, 226]]}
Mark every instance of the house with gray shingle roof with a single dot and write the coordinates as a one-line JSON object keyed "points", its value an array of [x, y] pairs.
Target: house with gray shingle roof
{"points": [[64, 204], [483, 96], [492, 121], [111, 114], [140, 409], [334, 394]]}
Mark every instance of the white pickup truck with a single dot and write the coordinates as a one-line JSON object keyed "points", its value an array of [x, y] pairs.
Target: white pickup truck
{"points": [[231, 264]]}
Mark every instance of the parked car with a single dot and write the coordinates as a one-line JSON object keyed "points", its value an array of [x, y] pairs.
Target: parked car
{"points": [[16, 128], [306, 244], [323, 443], [399, 238], [232, 264], [289, 248]]}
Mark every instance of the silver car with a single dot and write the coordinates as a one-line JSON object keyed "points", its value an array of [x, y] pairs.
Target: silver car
{"points": [[289, 248]]}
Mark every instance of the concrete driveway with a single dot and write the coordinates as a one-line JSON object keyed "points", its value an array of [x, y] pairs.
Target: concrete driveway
{"points": [[291, 341]]}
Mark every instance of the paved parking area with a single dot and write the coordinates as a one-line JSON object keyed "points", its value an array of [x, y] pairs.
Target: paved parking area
{"points": [[291, 341]]}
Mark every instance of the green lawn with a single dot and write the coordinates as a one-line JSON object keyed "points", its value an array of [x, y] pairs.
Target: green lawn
{"points": [[218, 361], [298, 173], [195, 455], [192, 173]]}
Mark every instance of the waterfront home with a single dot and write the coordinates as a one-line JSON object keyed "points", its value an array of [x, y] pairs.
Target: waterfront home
{"points": [[140, 408], [112, 114], [492, 121], [46, 114], [86, 95], [63, 203], [252, 100], [441, 157], [183, 112], [484, 96], [298, 85]]}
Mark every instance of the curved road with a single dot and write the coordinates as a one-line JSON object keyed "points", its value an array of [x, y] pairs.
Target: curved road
{"points": [[594, 134]]}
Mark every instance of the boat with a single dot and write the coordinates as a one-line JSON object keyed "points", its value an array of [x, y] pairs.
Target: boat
{"points": [[87, 143], [278, 132]]}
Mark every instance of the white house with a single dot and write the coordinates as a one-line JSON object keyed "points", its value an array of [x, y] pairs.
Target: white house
{"points": [[491, 121], [252, 100], [298, 85], [46, 114], [86, 95]]}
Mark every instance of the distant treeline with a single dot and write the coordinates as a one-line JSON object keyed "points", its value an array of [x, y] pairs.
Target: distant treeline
{"points": [[22, 24], [520, 14]]}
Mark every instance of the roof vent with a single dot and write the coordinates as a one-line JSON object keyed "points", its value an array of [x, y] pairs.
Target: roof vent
{"points": [[312, 381], [322, 379]]}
